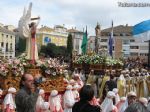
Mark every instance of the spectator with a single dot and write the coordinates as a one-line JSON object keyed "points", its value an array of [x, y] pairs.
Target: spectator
{"points": [[86, 95]]}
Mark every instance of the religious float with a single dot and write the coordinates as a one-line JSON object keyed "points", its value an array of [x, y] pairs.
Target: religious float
{"points": [[11, 71], [96, 62]]}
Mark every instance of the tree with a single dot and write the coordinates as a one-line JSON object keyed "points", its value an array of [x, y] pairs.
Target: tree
{"points": [[53, 51], [69, 45], [21, 46]]}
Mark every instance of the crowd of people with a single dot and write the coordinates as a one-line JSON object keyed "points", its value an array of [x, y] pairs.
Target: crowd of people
{"points": [[125, 90]]}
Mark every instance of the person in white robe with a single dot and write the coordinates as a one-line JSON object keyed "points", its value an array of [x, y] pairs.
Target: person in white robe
{"points": [[72, 82], [117, 97], [45, 107], [107, 105], [144, 101], [40, 100], [9, 102], [131, 98], [77, 78], [55, 102], [75, 92], [68, 99], [120, 103]]}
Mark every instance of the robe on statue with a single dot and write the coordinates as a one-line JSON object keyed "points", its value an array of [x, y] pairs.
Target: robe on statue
{"points": [[27, 29], [31, 52]]}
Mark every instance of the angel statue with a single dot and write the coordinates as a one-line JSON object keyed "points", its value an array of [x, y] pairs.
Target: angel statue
{"points": [[27, 29]]}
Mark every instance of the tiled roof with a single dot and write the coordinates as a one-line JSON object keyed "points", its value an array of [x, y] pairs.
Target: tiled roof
{"points": [[73, 31], [45, 28], [117, 30], [4, 30]]}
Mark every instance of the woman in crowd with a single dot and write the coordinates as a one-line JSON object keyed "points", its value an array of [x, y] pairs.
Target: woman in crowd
{"points": [[84, 105]]}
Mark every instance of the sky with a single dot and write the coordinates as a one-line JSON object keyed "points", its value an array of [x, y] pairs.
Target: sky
{"points": [[75, 13]]}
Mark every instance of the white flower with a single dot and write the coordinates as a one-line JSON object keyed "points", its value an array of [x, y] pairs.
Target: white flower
{"points": [[54, 73]]}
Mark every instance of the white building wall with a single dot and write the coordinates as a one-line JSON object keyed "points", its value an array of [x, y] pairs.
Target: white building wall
{"points": [[10, 39]]}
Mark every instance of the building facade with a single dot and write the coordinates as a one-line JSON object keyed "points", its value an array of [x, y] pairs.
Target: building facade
{"points": [[124, 45], [77, 37], [57, 35], [7, 42]]}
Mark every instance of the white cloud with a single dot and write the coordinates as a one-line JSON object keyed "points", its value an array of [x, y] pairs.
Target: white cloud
{"points": [[76, 13]]}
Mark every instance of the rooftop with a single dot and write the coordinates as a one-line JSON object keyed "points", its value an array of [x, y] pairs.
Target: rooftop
{"points": [[118, 30], [45, 28], [4, 30], [74, 31]]}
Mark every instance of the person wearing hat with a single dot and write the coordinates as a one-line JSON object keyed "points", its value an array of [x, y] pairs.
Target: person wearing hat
{"points": [[40, 100], [45, 107], [121, 82], [75, 92], [9, 103], [107, 105], [72, 82], [120, 103], [66, 74], [102, 93], [143, 87], [92, 81], [131, 98], [68, 99], [140, 106], [117, 97], [55, 102], [77, 78], [75, 72]]}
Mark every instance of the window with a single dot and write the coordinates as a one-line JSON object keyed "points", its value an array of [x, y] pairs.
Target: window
{"points": [[123, 34], [11, 37], [134, 54], [132, 40], [6, 36], [113, 48], [104, 47], [126, 55], [134, 47], [125, 41], [103, 40], [143, 47], [10, 46], [143, 54], [2, 35], [2, 44], [77, 44], [6, 47]]}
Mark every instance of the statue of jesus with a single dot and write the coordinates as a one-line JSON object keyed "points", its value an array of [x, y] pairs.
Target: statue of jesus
{"points": [[27, 29]]}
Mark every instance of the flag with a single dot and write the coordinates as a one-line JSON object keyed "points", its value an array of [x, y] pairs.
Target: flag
{"points": [[84, 42], [111, 42], [141, 31]]}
